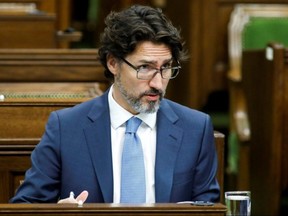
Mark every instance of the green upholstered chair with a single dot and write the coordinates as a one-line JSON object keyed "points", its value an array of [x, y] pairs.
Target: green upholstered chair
{"points": [[261, 30]]}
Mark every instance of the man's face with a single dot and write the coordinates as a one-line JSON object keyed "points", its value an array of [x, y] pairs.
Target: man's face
{"points": [[136, 95]]}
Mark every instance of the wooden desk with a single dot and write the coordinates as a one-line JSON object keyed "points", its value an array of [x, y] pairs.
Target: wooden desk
{"points": [[111, 209], [36, 24], [51, 65], [28, 31], [26, 107]]}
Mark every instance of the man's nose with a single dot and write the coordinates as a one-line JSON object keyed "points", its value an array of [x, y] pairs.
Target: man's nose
{"points": [[157, 81]]}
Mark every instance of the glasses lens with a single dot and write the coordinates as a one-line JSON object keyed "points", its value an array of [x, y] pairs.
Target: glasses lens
{"points": [[145, 73], [170, 73], [175, 72]]}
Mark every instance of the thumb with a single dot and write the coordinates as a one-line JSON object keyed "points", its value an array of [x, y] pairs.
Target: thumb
{"points": [[82, 196]]}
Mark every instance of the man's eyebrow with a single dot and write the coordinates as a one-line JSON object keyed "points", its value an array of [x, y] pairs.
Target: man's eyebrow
{"points": [[154, 62]]}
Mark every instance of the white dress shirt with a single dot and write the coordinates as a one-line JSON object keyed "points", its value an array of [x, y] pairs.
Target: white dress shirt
{"points": [[147, 135]]}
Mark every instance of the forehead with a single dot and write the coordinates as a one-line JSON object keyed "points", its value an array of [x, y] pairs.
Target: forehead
{"points": [[148, 49]]}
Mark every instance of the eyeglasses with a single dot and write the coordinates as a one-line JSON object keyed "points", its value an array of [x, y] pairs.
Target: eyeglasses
{"points": [[147, 72]]}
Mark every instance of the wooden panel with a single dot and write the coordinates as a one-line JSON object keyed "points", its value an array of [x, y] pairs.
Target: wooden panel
{"points": [[112, 209], [47, 65], [27, 31], [220, 147], [28, 119], [12, 170], [26, 106], [38, 35]]}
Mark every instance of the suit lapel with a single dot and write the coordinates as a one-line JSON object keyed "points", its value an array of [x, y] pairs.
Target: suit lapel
{"points": [[98, 135], [168, 143]]}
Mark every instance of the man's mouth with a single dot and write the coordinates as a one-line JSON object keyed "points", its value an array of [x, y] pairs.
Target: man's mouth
{"points": [[152, 94], [152, 97]]}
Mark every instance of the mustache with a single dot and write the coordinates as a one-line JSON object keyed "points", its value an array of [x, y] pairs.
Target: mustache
{"points": [[153, 91]]}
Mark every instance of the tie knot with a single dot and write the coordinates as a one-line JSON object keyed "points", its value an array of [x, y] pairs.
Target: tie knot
{"points": [[132, 125]]}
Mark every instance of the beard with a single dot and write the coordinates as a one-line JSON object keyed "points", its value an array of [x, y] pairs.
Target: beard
{"points": [[135, 101]]}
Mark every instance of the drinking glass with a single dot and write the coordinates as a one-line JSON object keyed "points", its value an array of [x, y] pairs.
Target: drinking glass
{"points": [[238, 203]]}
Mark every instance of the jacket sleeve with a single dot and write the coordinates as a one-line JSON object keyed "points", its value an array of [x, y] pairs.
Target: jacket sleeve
{"points": [[206, 186], [42, 180]]}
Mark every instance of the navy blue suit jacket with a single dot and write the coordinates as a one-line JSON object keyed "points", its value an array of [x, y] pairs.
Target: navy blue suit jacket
{"points": [[74, 154]]}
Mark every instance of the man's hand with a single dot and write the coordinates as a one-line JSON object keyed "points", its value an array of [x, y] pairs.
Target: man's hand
{"points": [[80, 199]]}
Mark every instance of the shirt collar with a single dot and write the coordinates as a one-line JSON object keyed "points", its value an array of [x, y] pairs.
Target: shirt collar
{"points": [[119, 115]]}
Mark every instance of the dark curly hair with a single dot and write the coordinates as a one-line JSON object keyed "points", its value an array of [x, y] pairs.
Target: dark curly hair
{"points": [[138, 23]]}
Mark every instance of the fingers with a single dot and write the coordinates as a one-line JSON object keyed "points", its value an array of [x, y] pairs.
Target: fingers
{"points": [[67, 200], [82, 196]]}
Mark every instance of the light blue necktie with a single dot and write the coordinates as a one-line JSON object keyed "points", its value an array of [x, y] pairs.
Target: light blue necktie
{"points": [[133, 189]]}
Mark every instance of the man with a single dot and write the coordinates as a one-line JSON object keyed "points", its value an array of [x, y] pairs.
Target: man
{"points": [[81, 149]]}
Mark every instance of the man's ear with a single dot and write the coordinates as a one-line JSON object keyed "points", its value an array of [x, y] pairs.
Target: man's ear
{"points": [[112, 64]]}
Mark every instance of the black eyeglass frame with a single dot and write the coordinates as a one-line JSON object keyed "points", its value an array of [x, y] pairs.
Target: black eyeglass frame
{"points": [[174, 74]]}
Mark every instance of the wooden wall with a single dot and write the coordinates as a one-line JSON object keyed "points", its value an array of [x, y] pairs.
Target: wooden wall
{"points": [[42, 29]]}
